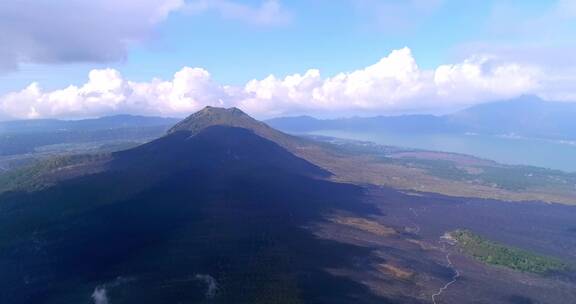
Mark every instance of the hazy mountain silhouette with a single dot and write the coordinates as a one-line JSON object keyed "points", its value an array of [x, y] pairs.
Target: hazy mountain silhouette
{"points": [[27, 136], [527, 116], [107, 122], [524, 116]]}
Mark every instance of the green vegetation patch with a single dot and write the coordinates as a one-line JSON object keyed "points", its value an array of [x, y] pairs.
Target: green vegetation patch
{"points": [[31, 177], [496, 254]]}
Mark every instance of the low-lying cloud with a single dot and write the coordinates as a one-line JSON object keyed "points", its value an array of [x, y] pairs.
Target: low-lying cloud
{"points": [[394, 84], [211, 285], [100, 296]]}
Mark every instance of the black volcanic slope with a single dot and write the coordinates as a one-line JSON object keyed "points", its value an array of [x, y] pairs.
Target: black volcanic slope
{"points": [[216, 214]]}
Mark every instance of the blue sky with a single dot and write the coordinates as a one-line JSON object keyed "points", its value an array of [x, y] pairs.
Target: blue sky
{"points": [[240, 41], [333, 36]]}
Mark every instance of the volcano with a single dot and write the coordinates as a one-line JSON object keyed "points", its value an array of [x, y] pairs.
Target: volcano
{"points": [[215, 211]]}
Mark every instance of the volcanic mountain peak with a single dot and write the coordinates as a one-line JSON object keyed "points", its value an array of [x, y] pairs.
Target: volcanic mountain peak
{"points": [[213, 116], [231, 117]]}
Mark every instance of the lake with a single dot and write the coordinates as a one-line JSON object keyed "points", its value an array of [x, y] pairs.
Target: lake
{"points": [[507, 150]]}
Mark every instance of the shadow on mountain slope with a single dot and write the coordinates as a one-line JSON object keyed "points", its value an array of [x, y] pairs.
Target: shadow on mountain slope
{"points": [[217, 217]]}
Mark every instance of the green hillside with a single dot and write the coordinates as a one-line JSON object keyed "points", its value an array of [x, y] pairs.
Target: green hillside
{"points": [[497, 254]]}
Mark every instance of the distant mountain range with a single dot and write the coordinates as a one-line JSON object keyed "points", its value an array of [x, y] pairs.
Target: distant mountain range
{"points": [[108, 122], [29, 136], [526, 116]]}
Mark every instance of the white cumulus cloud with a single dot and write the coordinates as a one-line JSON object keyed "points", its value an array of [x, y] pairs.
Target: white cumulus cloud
{"points": [[394, 84], [483, 77]]}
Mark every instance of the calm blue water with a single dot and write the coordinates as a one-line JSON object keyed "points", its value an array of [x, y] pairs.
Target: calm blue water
{"points": [[519, 151]]}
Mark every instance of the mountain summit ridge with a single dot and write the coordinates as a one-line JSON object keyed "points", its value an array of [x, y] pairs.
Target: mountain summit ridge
{"points": [[231, 117], [215, 116]]}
